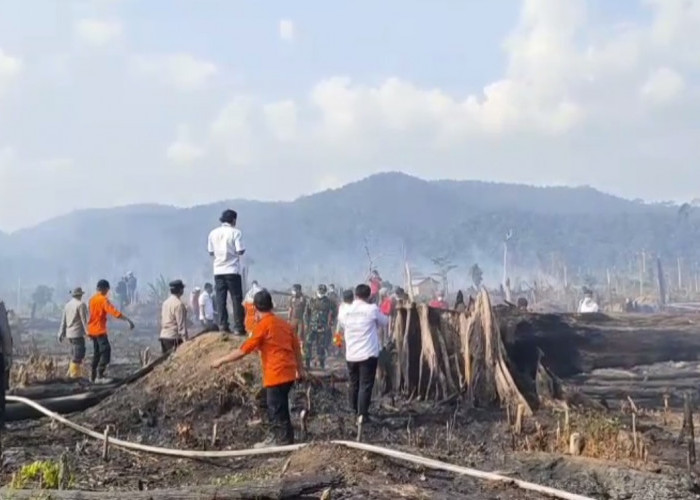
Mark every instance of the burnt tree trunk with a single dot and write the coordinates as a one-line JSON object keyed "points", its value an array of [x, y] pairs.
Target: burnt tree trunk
{"points": [[571, 344]]}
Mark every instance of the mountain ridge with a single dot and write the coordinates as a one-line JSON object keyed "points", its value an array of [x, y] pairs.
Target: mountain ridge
{"points": [[327, 235]]}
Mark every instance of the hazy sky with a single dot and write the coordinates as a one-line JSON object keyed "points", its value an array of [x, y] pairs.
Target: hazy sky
{"points": [[108, 102]]}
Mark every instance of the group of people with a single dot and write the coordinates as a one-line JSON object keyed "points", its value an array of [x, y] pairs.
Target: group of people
{"points": [[126, 290], [279, 341], [283, 362], [82, 321]]}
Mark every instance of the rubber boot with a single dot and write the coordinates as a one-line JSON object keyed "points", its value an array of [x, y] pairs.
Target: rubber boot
{"points": [[73, 370]]}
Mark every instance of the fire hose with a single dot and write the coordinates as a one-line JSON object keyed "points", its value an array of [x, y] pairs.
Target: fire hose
{"points": [[378, 450]]}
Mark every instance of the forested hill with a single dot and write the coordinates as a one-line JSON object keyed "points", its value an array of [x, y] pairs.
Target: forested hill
{"points": [[327, 235]]}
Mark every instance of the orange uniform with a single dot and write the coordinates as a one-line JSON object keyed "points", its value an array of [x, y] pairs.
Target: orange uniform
{"points": [[249, 317], [278, 345], [100, 307]]}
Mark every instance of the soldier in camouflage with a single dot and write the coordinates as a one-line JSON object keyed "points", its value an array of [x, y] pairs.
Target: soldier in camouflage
{"points": [[297, 308], [319, 318]]}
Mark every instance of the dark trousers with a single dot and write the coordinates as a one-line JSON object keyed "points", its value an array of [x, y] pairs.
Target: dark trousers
{"points": [[277, 398], [167, 345], [225, 284], [3, 386], [361, 374], [77, 349], [101, 356]]}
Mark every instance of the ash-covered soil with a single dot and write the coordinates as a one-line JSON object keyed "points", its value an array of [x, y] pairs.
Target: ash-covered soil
{"points": [[180, 403]]}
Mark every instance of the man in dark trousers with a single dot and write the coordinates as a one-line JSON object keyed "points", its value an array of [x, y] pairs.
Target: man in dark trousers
{"points": [[226, 246], [360, 322], [280, 353], [5, 359]]}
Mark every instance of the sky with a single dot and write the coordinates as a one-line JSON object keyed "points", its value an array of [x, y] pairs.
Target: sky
{"points": [[114, 102]]}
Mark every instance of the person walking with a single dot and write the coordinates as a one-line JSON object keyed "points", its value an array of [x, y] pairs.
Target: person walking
{"points": [[173, 318], [297, 309], [206, 307], [319, 319], [360, 323], [131, 284], [225, 244], [100, 308], [249, 306], [194, 301], [280, 354], [74, 326]]}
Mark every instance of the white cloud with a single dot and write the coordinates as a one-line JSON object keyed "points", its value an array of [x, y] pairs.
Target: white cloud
{"points": [[10, 69], [96, 32], [232, 133], [577, 99], [663, 86], [183, 151], [7, 158], [287, 31], [182, 71], [281, 118]]}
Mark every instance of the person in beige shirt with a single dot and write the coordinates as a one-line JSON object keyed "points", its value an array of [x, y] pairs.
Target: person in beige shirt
{"points": [[173, 330], [74, 327]]}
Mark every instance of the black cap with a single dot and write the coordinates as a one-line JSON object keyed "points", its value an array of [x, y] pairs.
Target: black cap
{"points": [[103, 285], [176, 285]]}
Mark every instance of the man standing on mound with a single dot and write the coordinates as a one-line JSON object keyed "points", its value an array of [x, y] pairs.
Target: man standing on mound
{"points": [[281, 366], [226, 246], [100, 307]]}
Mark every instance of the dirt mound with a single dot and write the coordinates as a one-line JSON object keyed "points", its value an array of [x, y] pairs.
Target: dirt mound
{"points": [[182, 399]]}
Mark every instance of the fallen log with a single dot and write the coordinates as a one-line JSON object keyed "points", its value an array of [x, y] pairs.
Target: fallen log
{"points": [[62, 405], [573, 344], [283, 488], [71, 402]]}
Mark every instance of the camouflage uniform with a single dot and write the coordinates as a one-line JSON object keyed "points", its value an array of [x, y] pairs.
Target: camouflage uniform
{"points": [[297, 308], [319, 318]]}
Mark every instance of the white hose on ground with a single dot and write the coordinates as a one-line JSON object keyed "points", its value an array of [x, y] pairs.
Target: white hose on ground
{"points": [[387, 452]]}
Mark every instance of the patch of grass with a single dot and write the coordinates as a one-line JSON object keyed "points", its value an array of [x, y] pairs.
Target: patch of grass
{"points": [[237, 478], [42, 474]]}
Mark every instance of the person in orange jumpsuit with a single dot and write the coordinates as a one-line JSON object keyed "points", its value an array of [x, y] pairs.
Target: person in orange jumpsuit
{"points": [[282, 365], [100, 308]]}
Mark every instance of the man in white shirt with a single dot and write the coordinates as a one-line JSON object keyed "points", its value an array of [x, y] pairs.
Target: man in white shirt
{"points": [[360, 322], [226, 246], [206, 306]]}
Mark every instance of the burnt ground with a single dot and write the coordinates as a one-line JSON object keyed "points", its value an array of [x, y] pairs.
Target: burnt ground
{"points": [[179, 404]]}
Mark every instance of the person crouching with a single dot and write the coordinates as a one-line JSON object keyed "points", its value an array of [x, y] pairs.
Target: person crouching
{"points": [[173, 330], [282, 365], [74, 325]]}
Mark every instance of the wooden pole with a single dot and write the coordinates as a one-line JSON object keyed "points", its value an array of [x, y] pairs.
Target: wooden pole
{"points": [[688, 421], [105, 445], [662, 283]]}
